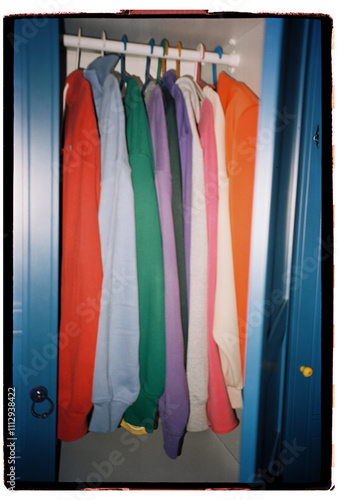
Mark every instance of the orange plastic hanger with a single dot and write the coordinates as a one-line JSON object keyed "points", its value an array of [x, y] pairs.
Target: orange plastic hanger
{"points": [[179, 46]]}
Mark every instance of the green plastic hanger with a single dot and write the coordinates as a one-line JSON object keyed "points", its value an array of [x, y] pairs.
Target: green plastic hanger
{"points": [[165, 46]]}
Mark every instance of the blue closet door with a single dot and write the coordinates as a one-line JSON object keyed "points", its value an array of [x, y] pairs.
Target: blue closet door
{"points": [[302, 404], [36, 245], [285, 131]]}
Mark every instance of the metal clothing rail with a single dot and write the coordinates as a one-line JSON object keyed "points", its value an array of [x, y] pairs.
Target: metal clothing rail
{"points": [[138, 49]]}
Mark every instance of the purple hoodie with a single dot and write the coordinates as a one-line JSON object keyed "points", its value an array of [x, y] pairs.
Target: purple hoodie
{"points": [[185, 144], [174, 403]]}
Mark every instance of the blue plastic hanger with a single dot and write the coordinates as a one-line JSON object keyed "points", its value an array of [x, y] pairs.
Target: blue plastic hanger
{"points": [[219, 51], [124, 77], [147, 76]]}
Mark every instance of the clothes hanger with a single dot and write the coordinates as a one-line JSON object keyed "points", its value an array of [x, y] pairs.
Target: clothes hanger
{"points": [[124, 77], [164, 62], [179, 47], [164, 45], [104, 38], [201, 48], [214, 72], [147, 77], [78, 50]]}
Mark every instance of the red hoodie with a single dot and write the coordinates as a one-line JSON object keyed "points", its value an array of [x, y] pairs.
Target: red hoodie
{"points": [[81, 271]]}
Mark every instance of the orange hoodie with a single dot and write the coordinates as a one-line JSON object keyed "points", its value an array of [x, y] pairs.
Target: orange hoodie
{"points": [[240, 106]]}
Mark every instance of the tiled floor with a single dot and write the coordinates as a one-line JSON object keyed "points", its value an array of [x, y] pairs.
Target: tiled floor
{"points": [[122, 457]]}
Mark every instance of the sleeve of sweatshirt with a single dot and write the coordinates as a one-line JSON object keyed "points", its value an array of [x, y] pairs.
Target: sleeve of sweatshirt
{"points": [[149, 263], [116, 377], [81, 268], [241, 201]]}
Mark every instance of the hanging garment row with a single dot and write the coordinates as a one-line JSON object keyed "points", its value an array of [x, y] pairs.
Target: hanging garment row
{"points": [[157, 197]]}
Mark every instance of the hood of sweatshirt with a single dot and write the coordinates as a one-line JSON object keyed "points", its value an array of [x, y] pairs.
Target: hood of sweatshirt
{"points": [[169, 79], [188, 86], [103, 66], [110, 114], [96, 73]]}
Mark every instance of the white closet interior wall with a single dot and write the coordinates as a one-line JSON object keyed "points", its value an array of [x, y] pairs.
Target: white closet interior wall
{"points": [[243, 36]]}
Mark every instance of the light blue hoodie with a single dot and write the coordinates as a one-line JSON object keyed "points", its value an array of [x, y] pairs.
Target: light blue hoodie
{"points": [[116, 376]]}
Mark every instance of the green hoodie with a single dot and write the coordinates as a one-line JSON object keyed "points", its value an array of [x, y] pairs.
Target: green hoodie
{"points": [[149, 262]]}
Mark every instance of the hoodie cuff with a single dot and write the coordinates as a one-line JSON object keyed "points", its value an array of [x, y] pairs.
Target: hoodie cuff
{"points": [[107, 416], [71, 427], [142, 412], [198, 419]]}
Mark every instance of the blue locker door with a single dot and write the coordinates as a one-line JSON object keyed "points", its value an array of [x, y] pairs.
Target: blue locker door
{"points": [[282, 124], [302, 408], [36, 245]]}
